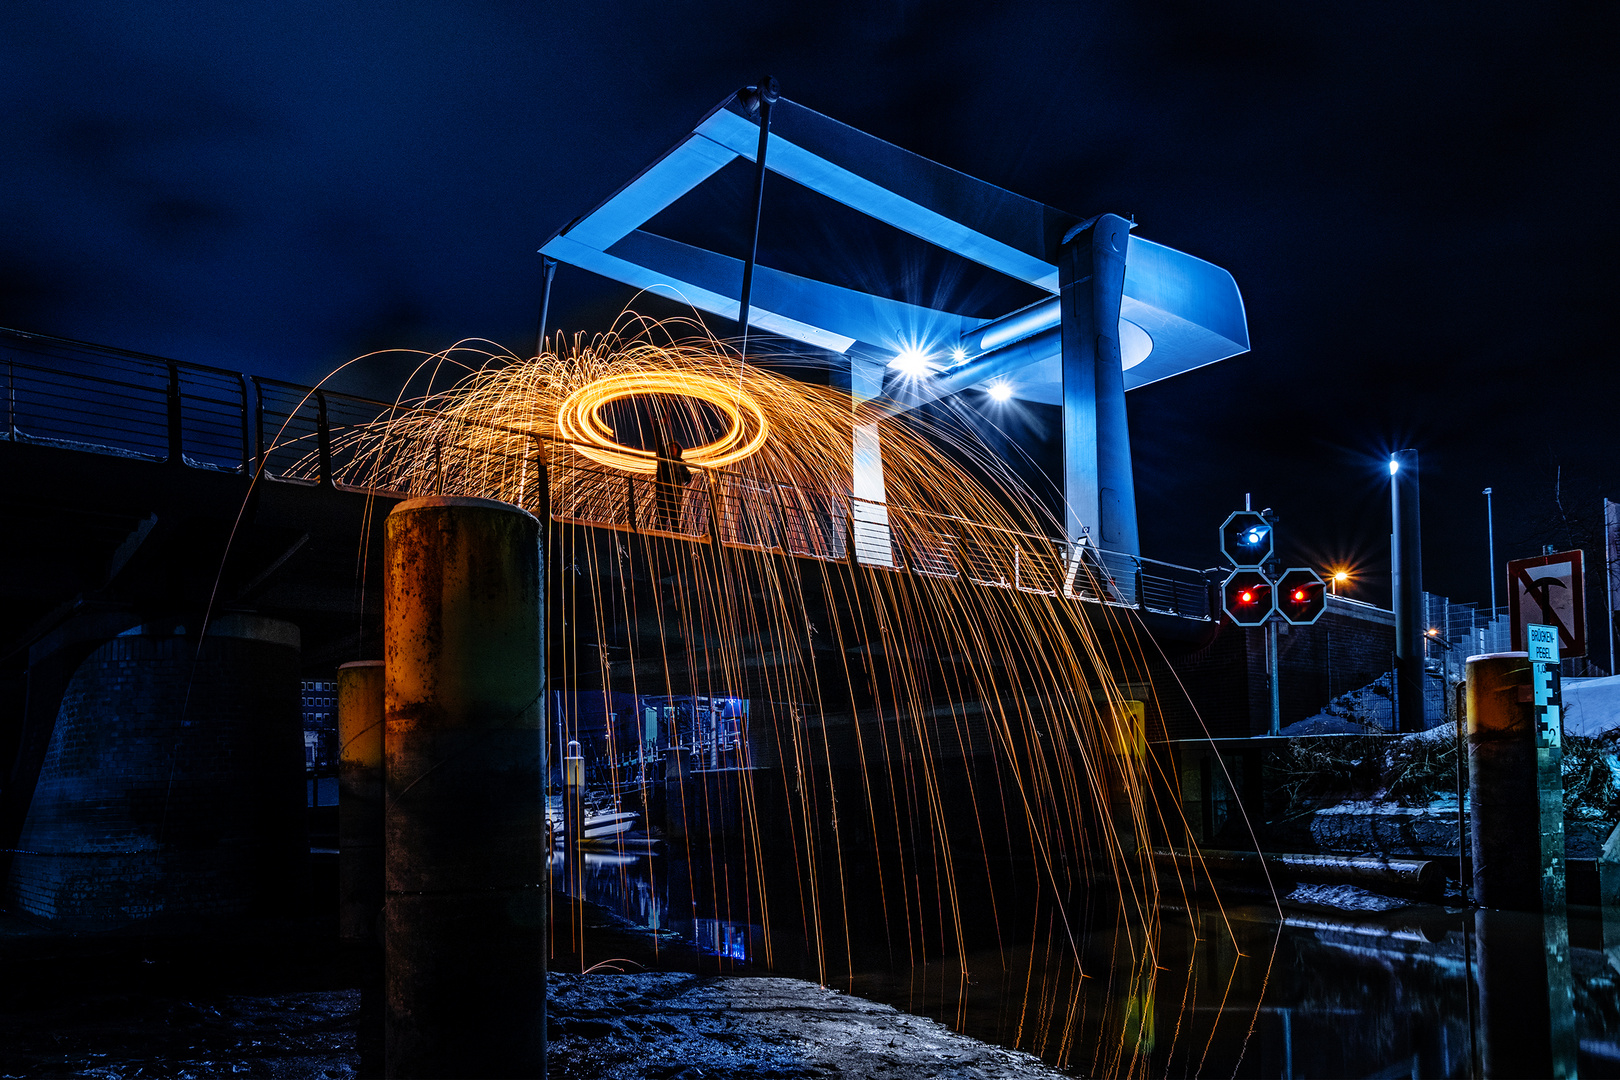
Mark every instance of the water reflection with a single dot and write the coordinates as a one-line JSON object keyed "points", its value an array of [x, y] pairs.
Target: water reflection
{"points": [[1420, 991]]}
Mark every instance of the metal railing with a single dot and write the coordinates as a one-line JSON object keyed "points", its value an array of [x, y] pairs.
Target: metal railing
{"points": [[747, 512], [92, 398]]}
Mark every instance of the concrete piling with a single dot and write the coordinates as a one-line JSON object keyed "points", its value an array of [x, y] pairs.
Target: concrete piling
{"points": [[360, 800], [465, 921]]}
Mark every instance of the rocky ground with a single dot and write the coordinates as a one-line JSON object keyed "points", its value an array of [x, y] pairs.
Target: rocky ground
{"points": [[267, 1001], [667, 1026], [280, 1000], [697, 1019]]}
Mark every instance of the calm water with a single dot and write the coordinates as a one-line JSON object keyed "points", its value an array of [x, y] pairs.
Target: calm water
{"points": [[1239, 990]]}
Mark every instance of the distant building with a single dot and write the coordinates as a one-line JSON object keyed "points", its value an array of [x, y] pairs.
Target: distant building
{"points": [[320, 725]]}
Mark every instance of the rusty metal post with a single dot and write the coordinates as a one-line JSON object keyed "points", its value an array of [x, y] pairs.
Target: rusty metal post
{"points": [[465, 920], [360, 847], [1505, 830], [360, 799], [1516, 840], [1516, 834]]}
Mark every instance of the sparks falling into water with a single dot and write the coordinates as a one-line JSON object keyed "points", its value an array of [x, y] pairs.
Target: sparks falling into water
{"points": [[957, 702]]}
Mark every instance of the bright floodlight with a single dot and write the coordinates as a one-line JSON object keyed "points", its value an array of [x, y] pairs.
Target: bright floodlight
{"points": [[958, 354], [1341, 576], [910, 361], [1000, 391], [1394, 466]]}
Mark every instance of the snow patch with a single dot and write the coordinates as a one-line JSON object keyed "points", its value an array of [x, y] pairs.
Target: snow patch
{"points": [[1591, 706], [1346, 897]]}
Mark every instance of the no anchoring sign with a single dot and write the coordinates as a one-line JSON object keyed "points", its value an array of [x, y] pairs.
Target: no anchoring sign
{"points": [[1548, 590]]}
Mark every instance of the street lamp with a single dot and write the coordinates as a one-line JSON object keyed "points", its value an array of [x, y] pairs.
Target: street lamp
{"points": [[1339, 577], [1490, 544], [1406, 562]]}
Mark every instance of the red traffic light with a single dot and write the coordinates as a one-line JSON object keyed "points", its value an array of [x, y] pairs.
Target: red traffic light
{"points": [[1246, 597], [1304, 595]]}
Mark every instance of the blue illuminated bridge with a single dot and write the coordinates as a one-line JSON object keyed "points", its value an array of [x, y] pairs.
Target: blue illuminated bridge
{"points": [[920, 281]]}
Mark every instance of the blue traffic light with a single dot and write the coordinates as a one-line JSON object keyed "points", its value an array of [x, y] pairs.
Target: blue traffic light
{"points": [[1246, 539]]}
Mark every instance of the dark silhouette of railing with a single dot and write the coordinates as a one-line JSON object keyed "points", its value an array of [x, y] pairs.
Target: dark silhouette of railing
{"points": [[92, 398]]}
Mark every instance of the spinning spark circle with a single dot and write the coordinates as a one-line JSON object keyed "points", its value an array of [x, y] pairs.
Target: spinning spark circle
{"points": [[579, 419]]}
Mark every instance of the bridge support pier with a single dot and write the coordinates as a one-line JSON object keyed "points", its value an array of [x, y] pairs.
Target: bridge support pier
{"points": [[1097, 482], [171, 787]]}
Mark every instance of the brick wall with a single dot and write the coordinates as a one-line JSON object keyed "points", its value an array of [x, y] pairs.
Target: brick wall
{"points": [[170, 788], [1347, 648]]}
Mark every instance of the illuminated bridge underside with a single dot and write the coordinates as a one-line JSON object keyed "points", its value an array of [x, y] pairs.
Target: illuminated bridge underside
{"points": [[1177, 313]]}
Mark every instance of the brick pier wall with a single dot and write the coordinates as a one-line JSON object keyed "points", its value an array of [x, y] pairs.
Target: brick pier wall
{"points": [[171, 788]]}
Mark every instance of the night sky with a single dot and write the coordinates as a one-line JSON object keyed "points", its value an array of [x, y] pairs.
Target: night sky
{"points": [[1413, 199]]}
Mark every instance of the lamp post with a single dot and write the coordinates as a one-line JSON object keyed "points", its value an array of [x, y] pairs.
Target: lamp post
{"points": [[1338, 577], [1406, 560], [1490, 545]]}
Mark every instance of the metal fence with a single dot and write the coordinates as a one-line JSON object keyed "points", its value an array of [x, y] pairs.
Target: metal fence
{"points": [[87, 397]]}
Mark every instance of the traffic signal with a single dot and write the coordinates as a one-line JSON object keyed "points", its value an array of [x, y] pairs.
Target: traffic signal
{"points": [[1246, 539], [1301, 596], [1246, 596]]}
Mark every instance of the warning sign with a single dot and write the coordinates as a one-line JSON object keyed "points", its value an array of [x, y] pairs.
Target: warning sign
{"points": [[1548, 590]]}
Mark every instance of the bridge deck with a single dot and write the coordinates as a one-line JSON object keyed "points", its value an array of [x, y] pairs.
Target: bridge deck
{"points": [[76, 396]]}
